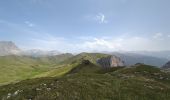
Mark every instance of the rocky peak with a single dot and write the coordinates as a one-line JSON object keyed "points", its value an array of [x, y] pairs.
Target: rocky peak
{"points": [[110, 61], [8, 48]]}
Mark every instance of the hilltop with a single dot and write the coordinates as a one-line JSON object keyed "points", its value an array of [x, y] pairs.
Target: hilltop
{"points": [[15, 68], [140, 82]]}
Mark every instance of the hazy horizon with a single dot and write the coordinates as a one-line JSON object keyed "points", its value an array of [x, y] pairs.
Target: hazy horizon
{"points": [[86, 25]]}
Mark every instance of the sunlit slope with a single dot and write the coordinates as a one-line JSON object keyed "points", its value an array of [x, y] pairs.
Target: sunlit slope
{"points": [[70, 63], [16, 68], [92, 57], [140, 82]]}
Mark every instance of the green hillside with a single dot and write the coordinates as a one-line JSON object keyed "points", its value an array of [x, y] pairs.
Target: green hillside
{"points": [[16, 68], [66, 65], [70, 63], [86, 82], [92, 57]]}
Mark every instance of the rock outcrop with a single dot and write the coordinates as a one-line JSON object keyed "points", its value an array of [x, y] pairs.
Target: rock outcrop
{"points": [[166, 66], [8, 48], [110, 61]]}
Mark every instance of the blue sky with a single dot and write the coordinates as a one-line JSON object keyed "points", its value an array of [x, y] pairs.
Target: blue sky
{"points": [[86, 25]]}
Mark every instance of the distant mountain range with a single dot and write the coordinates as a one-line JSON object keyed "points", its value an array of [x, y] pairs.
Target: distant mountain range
{"points": [[159, 54], [39, 53], [133, 58], [130, 58], [9, 48]]}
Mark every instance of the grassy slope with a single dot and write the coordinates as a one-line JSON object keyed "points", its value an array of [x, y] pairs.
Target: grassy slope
{"points": [[66, 65], [137, 83], [92, 57], [16, 68]]}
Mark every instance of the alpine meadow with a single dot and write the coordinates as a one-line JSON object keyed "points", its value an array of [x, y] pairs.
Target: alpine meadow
{"points": [[84, 50]]}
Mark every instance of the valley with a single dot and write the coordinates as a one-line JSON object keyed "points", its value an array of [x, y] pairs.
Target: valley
{"points": [[84, 50]]}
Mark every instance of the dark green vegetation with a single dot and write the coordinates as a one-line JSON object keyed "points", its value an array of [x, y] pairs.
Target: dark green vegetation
{"points": [[87, 81]]}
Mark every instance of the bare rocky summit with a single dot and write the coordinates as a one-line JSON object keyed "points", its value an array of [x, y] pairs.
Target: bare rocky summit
{"points": [[110, 61], [8, 48]]}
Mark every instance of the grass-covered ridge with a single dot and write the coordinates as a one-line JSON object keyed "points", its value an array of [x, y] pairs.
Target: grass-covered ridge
{"points": [[86, 81], [17, 68]]}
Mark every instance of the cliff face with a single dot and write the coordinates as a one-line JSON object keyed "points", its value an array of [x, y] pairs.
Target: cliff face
{"points": [[111, 61]]}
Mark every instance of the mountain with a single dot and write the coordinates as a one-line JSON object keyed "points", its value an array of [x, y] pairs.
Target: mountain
{"points": [[110, 61], [166, 66], [92, 57], [8, 48], [85, 82], [158, 54], [39, 53], [133, 58]]}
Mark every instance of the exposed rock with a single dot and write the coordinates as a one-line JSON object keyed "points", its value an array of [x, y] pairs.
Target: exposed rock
{"points": [[110, 61], [8, 48], [167, 65], [133, 58]]}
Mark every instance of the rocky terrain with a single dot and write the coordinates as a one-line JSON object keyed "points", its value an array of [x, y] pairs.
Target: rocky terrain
{"points": [[8, 48], [110, 61], [133, 58]]}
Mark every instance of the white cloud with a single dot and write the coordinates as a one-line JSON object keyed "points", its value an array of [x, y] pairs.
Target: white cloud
{"points": [[123, 43], [29, 24], [96, 43], [101, 18], [157, 35], [90, 44]]}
